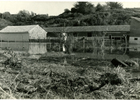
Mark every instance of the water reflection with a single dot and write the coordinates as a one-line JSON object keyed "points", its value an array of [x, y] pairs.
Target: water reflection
{"points": [[31, 48], [16, 46], [131, 51], [134, 47], [37, 48]]}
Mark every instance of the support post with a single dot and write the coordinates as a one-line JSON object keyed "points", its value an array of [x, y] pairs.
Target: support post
{"points": [[111, 40], [64, 39], [83, 44], [1, 41], [8, 42]]}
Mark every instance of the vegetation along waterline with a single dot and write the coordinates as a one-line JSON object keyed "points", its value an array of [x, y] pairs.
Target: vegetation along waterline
{"points": [[57, 76]]}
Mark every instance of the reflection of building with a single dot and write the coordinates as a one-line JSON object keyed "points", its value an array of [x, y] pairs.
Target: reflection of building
{"points": [[37, 48], [22, 33], [15, 46], [100, 56], [32, 48], [134, 47]]}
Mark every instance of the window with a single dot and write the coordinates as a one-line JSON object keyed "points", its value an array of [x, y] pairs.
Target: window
{"points": [[135, 38], [89, 34]]}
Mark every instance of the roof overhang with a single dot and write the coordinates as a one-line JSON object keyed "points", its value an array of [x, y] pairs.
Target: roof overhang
{"points": [[111, 28]]}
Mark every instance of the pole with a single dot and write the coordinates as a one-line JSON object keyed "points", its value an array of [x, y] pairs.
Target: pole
{"points": [[22, 42], [83, 44], [8, 42], [1, 41]]}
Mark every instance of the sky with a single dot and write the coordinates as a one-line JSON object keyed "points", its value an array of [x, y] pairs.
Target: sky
{"points": [[52, 8]]}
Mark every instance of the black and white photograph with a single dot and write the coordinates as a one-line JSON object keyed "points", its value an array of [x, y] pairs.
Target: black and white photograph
{"points": [[69, 49]]}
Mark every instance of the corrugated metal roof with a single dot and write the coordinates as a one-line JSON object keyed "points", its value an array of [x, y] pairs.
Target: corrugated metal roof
{"points": [[109, 28], [18, 28]]}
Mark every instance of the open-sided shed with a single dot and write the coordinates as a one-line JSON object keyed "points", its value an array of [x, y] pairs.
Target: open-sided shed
{"points": [[90, 30], [22, 33]]}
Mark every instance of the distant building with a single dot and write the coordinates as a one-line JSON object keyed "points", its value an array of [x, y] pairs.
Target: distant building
{"points": [[135, 31], [89, 29], [89, 32], [22, 33]]}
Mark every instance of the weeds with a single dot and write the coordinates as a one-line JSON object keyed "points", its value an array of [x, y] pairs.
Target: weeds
{"points": [[12, 59], [60, 80]]}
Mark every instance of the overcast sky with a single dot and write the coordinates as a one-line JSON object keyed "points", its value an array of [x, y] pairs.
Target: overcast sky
{"points": [[51, 7]]}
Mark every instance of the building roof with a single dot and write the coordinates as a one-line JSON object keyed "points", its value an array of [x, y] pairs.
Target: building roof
{"points": [[109, 28], [18, 28], [136, 18]]}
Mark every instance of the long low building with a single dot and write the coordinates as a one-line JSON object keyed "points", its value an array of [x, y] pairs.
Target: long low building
{"points": [[104, 28], [89, 31], [22, 33]]}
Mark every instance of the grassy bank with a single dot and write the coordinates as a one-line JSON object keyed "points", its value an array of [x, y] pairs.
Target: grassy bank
{"points": [[61, 78]]}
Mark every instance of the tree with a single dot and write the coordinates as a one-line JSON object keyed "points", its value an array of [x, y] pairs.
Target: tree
{"points": [[40, 17], [99, 7], [114, 5], [33, 14], [6, 15], [23, 15], [73, 10], [1, 15], [83, 7], [66, 10]]}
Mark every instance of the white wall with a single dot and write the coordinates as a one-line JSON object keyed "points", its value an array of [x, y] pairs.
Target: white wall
{"points": [[37, 33], [134, 40]]}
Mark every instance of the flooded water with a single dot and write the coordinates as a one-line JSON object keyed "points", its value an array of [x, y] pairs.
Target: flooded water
{"points": [[131, 51], [21, 47]]}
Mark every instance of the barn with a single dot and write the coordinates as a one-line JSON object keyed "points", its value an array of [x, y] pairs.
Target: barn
{"points": [[135, 31], [22, 33]]}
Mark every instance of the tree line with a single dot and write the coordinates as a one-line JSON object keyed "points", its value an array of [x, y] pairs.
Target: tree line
{"points": [[82, 14]]}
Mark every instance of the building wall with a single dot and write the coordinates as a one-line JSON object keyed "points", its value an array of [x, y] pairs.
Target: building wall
{"points": [[14, 36], [37, 33], [134, 32], [135, 28], [134, 40]]}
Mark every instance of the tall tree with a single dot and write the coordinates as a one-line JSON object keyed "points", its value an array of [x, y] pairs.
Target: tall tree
{"points": [[99, 7], [23, 15], [114, 5], [66, 10], [84, 7], [6, 15]]}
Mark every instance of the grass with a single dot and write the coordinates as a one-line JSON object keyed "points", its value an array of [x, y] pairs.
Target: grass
{"points": [[57, 77]]}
